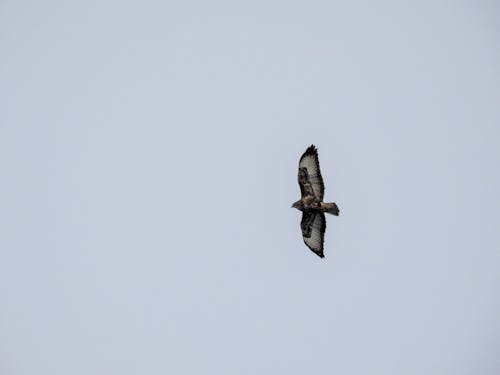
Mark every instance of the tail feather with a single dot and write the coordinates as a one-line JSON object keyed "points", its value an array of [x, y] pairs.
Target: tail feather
{"points": [[332, 208]]}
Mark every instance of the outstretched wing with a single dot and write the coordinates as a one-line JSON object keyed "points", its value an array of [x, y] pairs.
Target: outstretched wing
{"points": [[310, 180], [313, 227]]}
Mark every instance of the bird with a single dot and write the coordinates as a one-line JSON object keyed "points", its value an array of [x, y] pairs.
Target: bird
{"points": [[312, 188]]}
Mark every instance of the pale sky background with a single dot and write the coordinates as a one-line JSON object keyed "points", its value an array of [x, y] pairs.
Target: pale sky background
{"points": [[148, 161]]}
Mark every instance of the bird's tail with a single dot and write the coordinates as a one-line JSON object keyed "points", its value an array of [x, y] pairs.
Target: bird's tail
{"points": [[332, 208]]}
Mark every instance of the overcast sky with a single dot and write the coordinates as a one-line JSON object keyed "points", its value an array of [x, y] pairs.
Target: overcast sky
{"points": [[148, 161]]}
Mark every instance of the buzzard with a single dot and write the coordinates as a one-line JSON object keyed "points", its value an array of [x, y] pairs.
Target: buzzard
{"points": [[313, 223]]}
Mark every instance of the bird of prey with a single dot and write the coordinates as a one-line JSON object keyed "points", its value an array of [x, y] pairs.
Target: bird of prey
{"points": [[311, 203]]}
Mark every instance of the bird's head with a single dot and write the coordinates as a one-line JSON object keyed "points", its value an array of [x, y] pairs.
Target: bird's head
{"points": [[298, 205]]}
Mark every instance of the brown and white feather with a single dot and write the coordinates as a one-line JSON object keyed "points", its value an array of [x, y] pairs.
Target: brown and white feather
{"points": [[309, 177], [313, 225]]}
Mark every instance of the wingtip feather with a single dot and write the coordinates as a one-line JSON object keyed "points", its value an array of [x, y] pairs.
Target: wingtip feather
{"points": [[310, 151]]}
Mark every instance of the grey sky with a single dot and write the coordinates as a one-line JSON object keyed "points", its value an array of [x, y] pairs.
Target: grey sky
{"points": [[148, 161]]}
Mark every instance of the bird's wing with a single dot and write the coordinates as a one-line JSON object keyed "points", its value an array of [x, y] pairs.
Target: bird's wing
{"points": [[310, 180], [313, 227]]}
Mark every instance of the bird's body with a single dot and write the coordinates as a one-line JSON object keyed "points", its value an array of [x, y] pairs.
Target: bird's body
{"points": [[311, 203]]}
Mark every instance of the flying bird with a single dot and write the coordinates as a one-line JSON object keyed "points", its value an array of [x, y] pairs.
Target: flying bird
{"points": [[312, 188]]}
